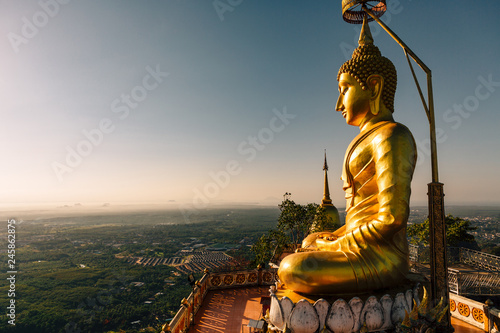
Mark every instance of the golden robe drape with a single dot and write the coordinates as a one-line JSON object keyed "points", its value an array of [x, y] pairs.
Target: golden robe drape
{"points": [[370, 251]]}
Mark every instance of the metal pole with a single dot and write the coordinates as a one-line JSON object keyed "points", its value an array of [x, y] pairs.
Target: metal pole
{"points": [[398, 40], [432, 123]]}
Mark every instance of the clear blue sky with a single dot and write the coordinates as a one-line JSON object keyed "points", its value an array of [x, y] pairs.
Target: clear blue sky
{"points": [[180, 91]]}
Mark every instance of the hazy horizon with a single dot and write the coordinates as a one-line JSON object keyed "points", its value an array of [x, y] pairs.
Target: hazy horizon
{"points": [[53, 211]]}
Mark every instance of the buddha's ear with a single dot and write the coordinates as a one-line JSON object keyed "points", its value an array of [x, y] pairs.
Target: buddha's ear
{"points": [[375, 84]]}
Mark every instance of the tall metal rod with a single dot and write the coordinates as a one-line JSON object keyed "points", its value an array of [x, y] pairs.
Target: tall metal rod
{"points": [[398, 40], [437, 232], [422, 98], [432, 123]]}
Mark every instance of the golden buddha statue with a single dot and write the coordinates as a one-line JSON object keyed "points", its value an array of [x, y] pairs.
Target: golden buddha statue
{"points": [[370, 251]]}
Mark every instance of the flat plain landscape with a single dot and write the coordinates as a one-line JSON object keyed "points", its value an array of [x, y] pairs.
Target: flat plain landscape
{"points": [[106, 270]]}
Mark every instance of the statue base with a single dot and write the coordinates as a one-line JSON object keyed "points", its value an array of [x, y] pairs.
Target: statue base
{"points": [[380, 310], [413, 279]]}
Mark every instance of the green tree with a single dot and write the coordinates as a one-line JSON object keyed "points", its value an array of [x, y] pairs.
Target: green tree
{"points": [[269, 246], [457, 233], [296, 220], [294, 224]]}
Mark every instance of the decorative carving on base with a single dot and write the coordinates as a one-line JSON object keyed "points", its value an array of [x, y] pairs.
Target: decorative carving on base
{"points": [[402, 313]]}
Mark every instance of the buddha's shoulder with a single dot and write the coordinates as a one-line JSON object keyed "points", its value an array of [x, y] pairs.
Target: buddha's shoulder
{"points": [[394, 130]]}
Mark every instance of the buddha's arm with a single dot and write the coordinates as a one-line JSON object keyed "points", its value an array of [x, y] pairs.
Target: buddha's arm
{"points": [[394, 157]]}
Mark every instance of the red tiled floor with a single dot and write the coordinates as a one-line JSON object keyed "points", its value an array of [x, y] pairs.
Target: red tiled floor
{"points": [[229, 310]]}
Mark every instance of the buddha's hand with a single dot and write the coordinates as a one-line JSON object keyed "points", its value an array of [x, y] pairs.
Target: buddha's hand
{"points": [[308, 249], [327, 243], [310, 243]]}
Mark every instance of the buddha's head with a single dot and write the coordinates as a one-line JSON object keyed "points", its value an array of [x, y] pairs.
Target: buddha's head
{"points": [[367, 82]]}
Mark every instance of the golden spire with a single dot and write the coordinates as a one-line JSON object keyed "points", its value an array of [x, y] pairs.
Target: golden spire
{"points": [[326, 193], [328, 218], [365, 37]]}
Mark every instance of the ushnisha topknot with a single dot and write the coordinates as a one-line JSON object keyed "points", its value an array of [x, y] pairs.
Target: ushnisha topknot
{"points": [[367, 60]]}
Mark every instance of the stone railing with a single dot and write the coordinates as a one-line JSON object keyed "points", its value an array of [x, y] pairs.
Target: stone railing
{"points": [[483, 279], [479, 260], [462, 255], [481, 315], [242, 278], [190, 306], [214, 281], [473, 282], [469, 311], [453, 279]]}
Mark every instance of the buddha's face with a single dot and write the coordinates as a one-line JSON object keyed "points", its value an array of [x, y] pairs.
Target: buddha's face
{"points": [[353, 102]]}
